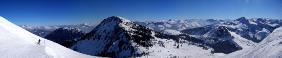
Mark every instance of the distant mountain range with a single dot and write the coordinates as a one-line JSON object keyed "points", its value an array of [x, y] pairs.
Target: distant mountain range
{"points": [[119, 37], [45, 30]]}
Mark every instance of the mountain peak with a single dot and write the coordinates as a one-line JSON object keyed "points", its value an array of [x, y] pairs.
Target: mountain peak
{"points": [[242, 20], [117, 35], [220, 31], [116, 19]]}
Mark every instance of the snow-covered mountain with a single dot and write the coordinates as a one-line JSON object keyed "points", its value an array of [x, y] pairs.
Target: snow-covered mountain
{"points": [[45, 30], [16, 42], [39, 30], [255, 29], [119, 37], [252, 29], [112, 37], [222, 40], [174, 26]]}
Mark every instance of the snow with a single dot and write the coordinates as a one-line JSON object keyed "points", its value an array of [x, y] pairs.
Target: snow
{"points": [[19, 43], [172, 32], [270, 47], [262, 34], [99, 43], [168, 48], [244, 43], [162, 48], [252, 22], [178, 25], [273, 25], [123, 19]]}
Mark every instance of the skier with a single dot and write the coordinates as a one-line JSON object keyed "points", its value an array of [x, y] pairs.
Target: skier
{"points": [[38, 42]]}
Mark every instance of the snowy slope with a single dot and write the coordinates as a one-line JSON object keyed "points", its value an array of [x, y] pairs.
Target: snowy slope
{"points": [[270, 47], [169, 48], [19, 43], [244, 43]]}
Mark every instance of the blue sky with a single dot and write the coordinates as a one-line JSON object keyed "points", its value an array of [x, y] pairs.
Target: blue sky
{"points": [[53, 12]]}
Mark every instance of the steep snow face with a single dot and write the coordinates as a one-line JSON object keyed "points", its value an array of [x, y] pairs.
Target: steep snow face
{"points": [[241, 41], [19, 43], [270, 47]]}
